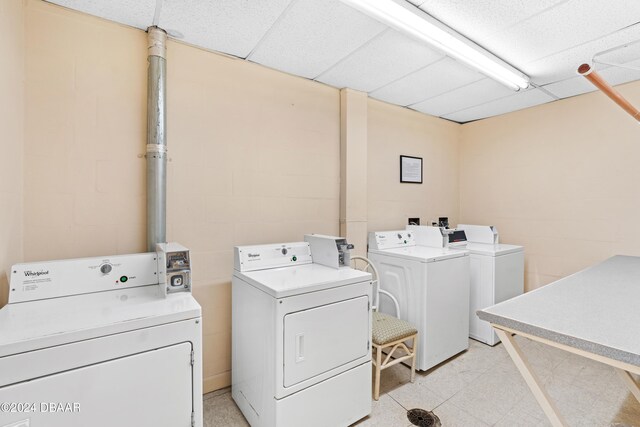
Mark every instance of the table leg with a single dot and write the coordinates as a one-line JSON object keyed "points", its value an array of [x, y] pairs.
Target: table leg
{"points": [[630, 382], [531, 379]]}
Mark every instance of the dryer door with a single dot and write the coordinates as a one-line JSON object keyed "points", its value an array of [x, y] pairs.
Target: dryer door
{"points": [[150, 389], [324, 338]]}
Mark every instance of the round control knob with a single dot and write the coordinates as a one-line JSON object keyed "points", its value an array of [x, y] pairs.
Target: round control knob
{"points": [[409, 235], [106, 268], [284, 251], [399, 236]]}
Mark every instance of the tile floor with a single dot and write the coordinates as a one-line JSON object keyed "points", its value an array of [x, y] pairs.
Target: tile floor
{"points": [[482, 387]]}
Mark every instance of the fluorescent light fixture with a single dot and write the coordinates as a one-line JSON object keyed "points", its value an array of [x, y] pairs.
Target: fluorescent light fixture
{"points": [[410, 20]]}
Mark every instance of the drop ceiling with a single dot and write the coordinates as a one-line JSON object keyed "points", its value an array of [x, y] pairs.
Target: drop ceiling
{"points": [[329, 42]]}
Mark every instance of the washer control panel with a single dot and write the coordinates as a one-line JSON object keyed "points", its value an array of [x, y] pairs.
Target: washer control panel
{"points": [[51, 279], [260, 257], [391, 239]]}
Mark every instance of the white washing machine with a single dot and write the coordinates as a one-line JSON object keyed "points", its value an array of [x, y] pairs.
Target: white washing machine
{"points": [[497, 274], [432, 288], [301, 353], [101, 342]]}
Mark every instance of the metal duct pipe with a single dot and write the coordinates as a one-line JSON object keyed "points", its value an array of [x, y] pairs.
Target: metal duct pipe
{"points": [[586, 71], [156, 138]]}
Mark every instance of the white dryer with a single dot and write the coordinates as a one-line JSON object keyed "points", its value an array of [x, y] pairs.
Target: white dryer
{"points": [[432, 288], [497, 274], [98, 342], [301, 353]]}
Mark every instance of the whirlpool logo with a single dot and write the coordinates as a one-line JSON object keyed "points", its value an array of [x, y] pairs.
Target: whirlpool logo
{"points": [[30, 273], [253, 255]]}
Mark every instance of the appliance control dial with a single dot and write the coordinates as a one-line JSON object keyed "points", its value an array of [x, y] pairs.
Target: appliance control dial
{"points": [[106, 268], [284, 251]]}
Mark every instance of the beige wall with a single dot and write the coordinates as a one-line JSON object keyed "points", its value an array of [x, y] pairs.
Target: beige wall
{"points": [[12, 140], [353, 169], [85, 126], [393, 131], [254, 155], [256, 159], [560, 179]]}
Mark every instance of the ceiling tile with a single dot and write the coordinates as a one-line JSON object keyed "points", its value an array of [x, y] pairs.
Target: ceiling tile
{"points": [[337, 45], [570, 87], [229, 26], [312, 35], [385, 59], [566, 26], [619, 75], [518, 101], [547, 40], [473, 94], [135, 13], [435, 79], [563, 65], [624, 53], [479, 19], [578, 85]]}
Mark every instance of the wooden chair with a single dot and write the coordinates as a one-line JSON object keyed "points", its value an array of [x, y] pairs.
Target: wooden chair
{"points": [[389, 334]]}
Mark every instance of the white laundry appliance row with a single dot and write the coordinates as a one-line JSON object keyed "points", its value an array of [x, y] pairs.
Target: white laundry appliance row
{"points": [[431, 285], [102, 342], [441, 278], [497, 274], [301, 322]]}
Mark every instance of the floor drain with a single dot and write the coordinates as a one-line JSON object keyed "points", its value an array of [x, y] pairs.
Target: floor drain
{"points": [[422, 418]]}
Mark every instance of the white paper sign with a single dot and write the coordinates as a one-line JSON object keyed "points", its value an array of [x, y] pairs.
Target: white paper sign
{"points": [[411, 169]]}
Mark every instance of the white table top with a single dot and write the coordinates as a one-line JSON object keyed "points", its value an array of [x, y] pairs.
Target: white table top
{"points": [[596, 310]]}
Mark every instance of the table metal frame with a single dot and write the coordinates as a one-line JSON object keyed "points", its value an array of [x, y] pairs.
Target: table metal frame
{"points": [[544, 400]]}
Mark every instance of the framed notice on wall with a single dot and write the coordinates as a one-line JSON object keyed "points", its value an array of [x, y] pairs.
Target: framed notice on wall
{"points": [[411, 169]]}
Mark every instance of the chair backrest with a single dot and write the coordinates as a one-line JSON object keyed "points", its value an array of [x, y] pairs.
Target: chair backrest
{"points": [[365, 264]]}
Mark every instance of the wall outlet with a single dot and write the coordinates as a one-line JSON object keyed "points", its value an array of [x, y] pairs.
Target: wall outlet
{"points": [[413, 221]]}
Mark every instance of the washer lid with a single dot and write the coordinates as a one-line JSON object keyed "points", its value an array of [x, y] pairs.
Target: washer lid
{"points": [[39, 324], [492, 250], [288, 281], [423, 253]]}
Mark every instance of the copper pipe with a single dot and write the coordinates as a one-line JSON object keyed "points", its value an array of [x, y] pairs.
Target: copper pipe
{"points": [[586, 71]]}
